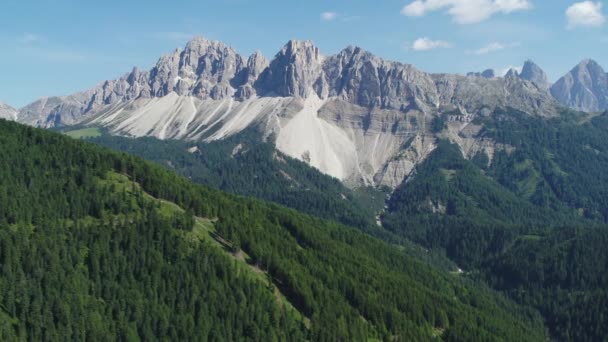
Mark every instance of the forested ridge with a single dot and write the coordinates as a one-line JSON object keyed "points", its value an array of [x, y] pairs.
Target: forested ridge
{"points": [[242, 164], [531, 223], [544, 197], [84, 256]]}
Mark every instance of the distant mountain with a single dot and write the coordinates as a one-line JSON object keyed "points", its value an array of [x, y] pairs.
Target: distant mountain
{"points": [[353, 115], [7, 112], [488, 73], [584, 88], [533, 73]]}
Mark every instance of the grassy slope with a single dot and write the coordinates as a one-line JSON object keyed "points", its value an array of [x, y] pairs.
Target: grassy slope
{"points": [[83, 133]]}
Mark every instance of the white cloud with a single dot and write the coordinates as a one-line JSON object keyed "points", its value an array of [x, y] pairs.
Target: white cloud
{"points": [[343, 17], [586, 13], [490, 48], [466, 11], [328, 16], [493, 47], [425, 44]]}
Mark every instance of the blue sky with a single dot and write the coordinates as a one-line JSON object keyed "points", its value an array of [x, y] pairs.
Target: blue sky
{"points": [[56, 47]]}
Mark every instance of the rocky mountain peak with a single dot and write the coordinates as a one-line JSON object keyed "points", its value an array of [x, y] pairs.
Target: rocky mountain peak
{"points": [[588, 68], [7, 112], [295, 71], [200, 43], [351, 51], [360, 77], [204, 69], [588, 63], [256, 63], [512, 73], [255, 66], [584, 88], [533, 73], [207, 69], [304, 49]]}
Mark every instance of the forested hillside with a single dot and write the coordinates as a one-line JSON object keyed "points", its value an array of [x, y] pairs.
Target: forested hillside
{"points": [[99, 245], [244, 165], [531, 223]]}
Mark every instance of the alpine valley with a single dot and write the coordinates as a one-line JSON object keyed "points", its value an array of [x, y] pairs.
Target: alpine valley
{"points": [[416, 206]]}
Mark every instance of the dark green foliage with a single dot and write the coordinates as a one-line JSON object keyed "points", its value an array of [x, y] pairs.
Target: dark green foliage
{"points": [[83, 258], [438, 124], [564, 275], [244, 165], [451, 204], [505, 219], [566, 160]]}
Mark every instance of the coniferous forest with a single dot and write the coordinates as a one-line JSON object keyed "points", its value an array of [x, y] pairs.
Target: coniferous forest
{"points": [[530, 223], [99, 245]]}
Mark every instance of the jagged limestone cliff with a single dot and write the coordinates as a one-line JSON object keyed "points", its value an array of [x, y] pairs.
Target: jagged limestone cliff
{"points": [[353, 115]]}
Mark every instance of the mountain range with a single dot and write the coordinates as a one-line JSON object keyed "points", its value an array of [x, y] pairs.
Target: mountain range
{"points": [[432, 188], [353, 115]]}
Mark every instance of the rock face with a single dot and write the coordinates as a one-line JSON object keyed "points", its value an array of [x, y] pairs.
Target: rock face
{"points": [[353, 115], [204, 69], [584, 88], [7, 112], [533, 73], [479, 96], [295, 71], [359, 77]]}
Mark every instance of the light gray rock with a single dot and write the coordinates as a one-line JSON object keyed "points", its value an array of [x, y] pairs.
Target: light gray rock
{"points": [[295, 71], [480, 96], [357, 76], [54, 111], [533, 73], [7, 112], [256, 64], [353, 115], [584, 88], [212, 70], [204, 68]]}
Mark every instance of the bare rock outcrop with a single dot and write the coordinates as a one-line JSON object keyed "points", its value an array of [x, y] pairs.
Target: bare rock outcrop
{"points": [[584, 88]]}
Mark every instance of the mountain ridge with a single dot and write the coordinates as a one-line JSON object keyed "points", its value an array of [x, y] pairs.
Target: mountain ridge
{"points": [[212, 69], [352, 115]]}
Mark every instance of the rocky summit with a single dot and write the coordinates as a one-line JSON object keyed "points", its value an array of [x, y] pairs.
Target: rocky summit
{"points": [[7, 112], [533, 73], [584, 88], [355, 116]]}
